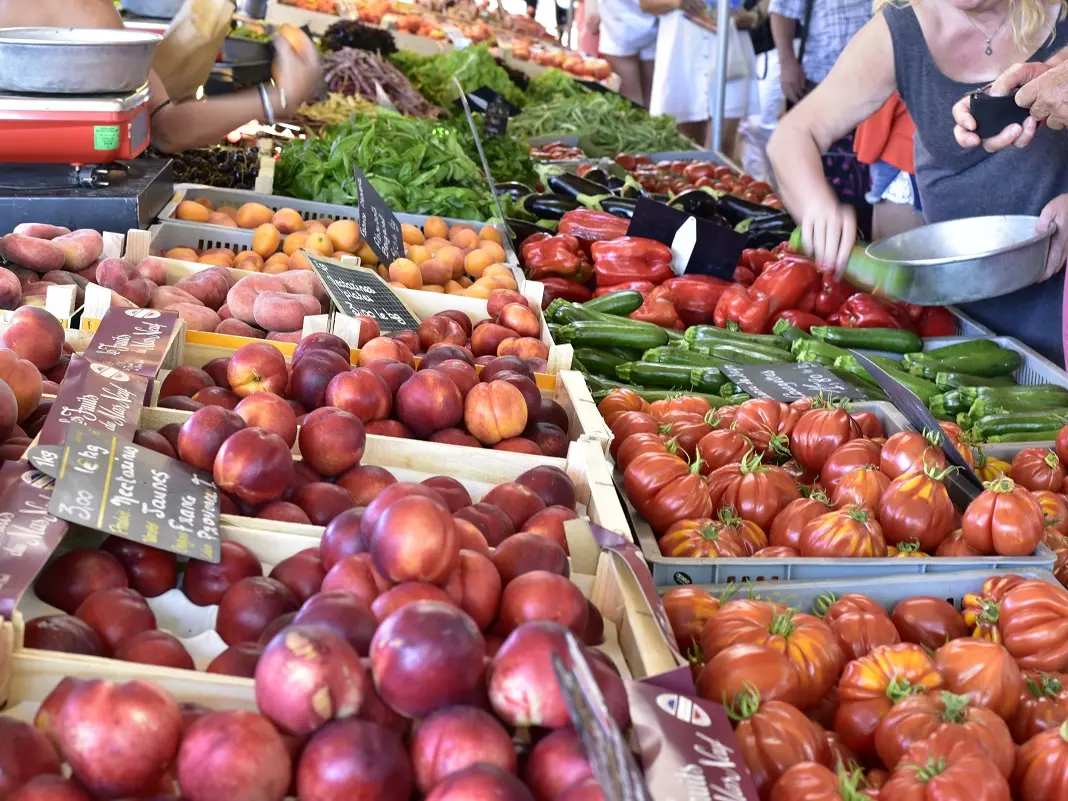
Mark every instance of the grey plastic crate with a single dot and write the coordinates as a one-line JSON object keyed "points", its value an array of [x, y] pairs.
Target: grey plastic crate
{"points": [[886, 590], [308, 209], [967, 327], [669, 571]]}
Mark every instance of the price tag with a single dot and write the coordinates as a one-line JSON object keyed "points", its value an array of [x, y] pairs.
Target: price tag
{"points": [[378, 224], [700, 247], [135, 341], [359, 291], [789, 382], [120, 488], [497, 118], [99, 396]]}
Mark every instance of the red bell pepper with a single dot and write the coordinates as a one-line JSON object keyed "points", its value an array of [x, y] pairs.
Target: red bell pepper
{"points": [[800, 319], [785, 283], [645, 287], [556, 287], [746, 307], [633, 247], [831, 296], [696, 297], [867, 311], [743, 275], [937, 321], [621, 269], [658, 308], [558, 255], [756, 259], [593, 226]]}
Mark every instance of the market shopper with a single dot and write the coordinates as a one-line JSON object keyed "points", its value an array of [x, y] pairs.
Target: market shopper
{"points": [[189, 124], [628, 44], [885, 142], [931, 54]]}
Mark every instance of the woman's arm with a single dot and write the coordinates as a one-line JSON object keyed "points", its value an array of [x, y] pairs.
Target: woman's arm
{"points": [[860, 82]]}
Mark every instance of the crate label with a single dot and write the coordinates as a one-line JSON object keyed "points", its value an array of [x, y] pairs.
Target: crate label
{"points": [[29, 533], [360, 291], [699, 247], [133, 340], [99, 396], [105, 137], [789, 382], [378, 224], [123, 489]]}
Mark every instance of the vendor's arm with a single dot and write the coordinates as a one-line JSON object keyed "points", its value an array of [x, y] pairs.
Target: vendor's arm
{"points": [[860, 82]]}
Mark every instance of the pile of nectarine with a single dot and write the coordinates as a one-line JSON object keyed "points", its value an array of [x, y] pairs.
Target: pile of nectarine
{"points": [[455, 260]]}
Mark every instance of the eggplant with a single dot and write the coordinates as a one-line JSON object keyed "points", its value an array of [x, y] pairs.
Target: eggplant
{"points": [[735, 209], [549, 206], [521, 229], [513, 189], [619, 206], [768, 239], [697, 202], [571, 185], [599, 176], [776, 221]]}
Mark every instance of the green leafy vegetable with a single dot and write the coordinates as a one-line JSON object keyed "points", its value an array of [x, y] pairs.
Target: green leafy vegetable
{"points": [[474, 67], [554, 84]]}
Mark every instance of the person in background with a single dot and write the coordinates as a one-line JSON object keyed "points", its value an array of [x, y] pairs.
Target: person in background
{"points": [[757, 128], [824, 28], [195, 123], [588, 22], [628, 43], [884, 142]]}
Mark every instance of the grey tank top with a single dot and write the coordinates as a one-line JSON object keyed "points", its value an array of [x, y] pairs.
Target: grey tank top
{"points": [[955, 183]]}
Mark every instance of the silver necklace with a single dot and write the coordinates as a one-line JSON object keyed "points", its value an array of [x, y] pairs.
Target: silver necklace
{"points": [[990, 38]]}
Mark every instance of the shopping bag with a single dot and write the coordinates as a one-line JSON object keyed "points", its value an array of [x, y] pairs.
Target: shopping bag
{"points": [[190, 46]]}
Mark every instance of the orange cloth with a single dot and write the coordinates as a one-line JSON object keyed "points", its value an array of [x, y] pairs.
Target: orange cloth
{"points": [[887, 135]]}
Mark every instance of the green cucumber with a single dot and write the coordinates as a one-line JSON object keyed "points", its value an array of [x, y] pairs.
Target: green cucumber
{"points": [[895, 340], [1020, 422], [597, 334], [619, 303], [952, 380], [697, 333]]}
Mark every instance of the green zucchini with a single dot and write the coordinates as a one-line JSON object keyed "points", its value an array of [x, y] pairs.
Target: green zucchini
{"points": [[599, 361], [700, 333], [997, 363], [1045, 393], [1020, 422], [1049, 435], [748, 354], [672, 376], [815, 350], [788, 331], [619, 303], [952, 380], [971, 347], [949, 404], [672, 355], [597, 334], [985, 406], [924, 390], [895, 340]]}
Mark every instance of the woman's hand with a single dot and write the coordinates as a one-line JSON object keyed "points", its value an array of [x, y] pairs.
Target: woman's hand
{"points": [[1055, 213], [297, 70], [1016, 134], [828, 233]]}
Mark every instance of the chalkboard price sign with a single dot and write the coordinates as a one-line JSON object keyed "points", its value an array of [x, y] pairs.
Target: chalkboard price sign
{"points": [[497, 117], [790, 382], [699, 247], [120, 488], [359, 291], [378, 224]]}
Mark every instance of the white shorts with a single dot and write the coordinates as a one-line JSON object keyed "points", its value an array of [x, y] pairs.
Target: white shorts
{"points": [[626, 30]]}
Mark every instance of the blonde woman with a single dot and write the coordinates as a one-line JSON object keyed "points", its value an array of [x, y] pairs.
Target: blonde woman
{"points": [[933, 53]]}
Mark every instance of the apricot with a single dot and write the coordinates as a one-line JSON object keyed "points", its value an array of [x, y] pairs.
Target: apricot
{"points": [[407, 273], [464, 281], [253, 215], [192, 211], [248, 260], [229, 211], [266, 240], [455, 229], [476, 262], [434, 271], [217, 260], [287, 220], [490, 234], [206, 203], [411, 234], [435, 227], [315, 227], [454, 258], [433, 288], [466, 238], [344, 235], [476, 291], [494, 249], [182, 254], [367, 256], [298, 262], [453, 287], [221, 219], [294, 242], [418, 254], [436, 243], [383, 273], [319, 243], [279, 258], [276, 267]]}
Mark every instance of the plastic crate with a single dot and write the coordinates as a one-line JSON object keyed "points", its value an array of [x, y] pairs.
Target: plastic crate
{"points": [[669, 571], [308, 209], [886, 590], [967, 327]]}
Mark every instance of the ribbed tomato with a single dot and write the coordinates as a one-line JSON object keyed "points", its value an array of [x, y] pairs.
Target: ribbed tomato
{"points": [[865, 486], [1041, 772], [1004, 519], [849, 532], [907, 451], [629, 423], [1061, 445], [1033, 621], [688, 609], [663, 488], [637, 444], [946, 767], [820, 432], [686, 428], [809, 781], [860, 625], [980, 610], [928, 621], [786, 528], [767, 423], [906, 550], [722, 447], [777, 552], [619, 401], [807, 641], [916, 506], [990, 469], [982, 670], [702, 538], [847, 458], [956, 545], [758, 492], [801, 476], [872, 684], [738, 669], [723, 417], [956, 435], [680, 403], [1043, 705], [870, 425], [1055, 509], [1037, 469]]}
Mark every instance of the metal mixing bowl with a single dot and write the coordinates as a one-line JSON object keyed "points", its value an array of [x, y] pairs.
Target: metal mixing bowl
{"points": [[75, 61], [956, 261]]}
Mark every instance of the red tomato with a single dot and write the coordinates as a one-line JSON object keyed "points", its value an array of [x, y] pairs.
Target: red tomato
{"points": [[637, 444], [1055, 509], [1043, 705], [663, 488], [852, 532], [956, 436], [722, 447], [773, 737], [928, 621], [758, 492], [621, 400], [688, 609], [808, 781], [847, 458], [1037, 469], [955, 545], [865, 487], [1004, 519], [1033, 620], [983, 671], [767, 423], [907, 451], [686, 428], [682, 403], [786, 529], [916, 507], [860, 625], [801, 476], [1061, 445], [980, 609], [870, 425], [630, 423], [1042, 766], [777, 552], [702, 538], [946, 767], [820, 432], [736, 670]]}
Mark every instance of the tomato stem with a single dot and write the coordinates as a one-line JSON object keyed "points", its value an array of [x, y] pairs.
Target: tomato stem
{"points": [[746, 703], [928, 772], [955, 707], [900, 687], [782, 625], [1001, 485], [823, 603]]}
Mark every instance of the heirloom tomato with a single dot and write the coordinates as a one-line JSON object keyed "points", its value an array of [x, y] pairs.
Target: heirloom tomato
{"points": [[980, 609], [960, 441], [871, 685], [686, 428], [1037, 469], [1061, 445], [774, 736], [1033, 620], [723, 417], [681, 403], [946, 767], [807, 641], [918, 718], [801, 476], [983, 671], [722, 447], [637, 444], [870, 425], [758, 492], [820, 432], [1041, 772], [687, 610], [907, 451], [767, 423], [854, 454], [860, 624], [738, 669], [777, 552], [1055, 509], [990, 469], [824, 710], [1060, 562], [928, 621], [840, 755], [1004, 519], [906, 550], [916, 506], [864, 486], [1043, 705], [619, 401], [955, 545], [702, 538], [663, 488], [809, 781], [786, 528], [630, 423], [849, 532]]}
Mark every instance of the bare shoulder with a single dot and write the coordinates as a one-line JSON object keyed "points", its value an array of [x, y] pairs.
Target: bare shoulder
{"points": [[59, 13]]}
